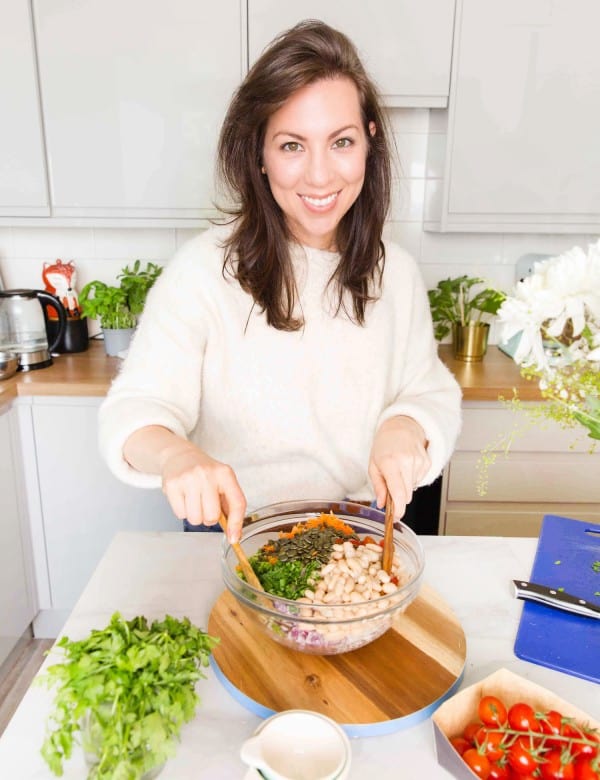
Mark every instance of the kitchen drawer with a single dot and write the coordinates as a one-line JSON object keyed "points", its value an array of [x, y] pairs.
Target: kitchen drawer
{"points": [[495, 519], [487, 424], [527, 476]]}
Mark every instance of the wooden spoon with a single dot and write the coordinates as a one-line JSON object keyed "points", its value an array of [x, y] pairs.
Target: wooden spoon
{"points": [[249, 574], [388, 536]]}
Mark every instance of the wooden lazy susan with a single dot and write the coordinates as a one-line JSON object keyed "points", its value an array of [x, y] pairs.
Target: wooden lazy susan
{"points": [[393, 683]]}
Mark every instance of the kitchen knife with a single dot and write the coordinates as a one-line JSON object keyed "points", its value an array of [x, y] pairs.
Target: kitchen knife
{"points": [[551, 597]]}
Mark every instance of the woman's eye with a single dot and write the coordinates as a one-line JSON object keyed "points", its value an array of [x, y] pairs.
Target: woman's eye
{"points": [[291, 146], [343, 143]]}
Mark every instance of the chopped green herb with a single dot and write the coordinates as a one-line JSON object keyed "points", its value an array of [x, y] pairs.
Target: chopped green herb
{"points": [[596, 566], [288, 579], [557, 562], [560, 589], [135, 684]]}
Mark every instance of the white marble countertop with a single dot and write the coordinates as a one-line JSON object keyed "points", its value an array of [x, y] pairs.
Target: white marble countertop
{"points": [[153, 574]]}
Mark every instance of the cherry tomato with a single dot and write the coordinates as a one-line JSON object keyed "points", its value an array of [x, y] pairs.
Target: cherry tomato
{"points": [[584, 748], [522, 756], [521, 717], [555, 768], [491, 711], [470, 730], [551, 723], [499, 771], [490, 742], [587, 768], [460, 744], [478, 763]]}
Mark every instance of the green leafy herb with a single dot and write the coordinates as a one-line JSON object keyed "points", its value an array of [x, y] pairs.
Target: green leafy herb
{"points": [[288, 579], [596, 567], [134, 686], [119, 307]]}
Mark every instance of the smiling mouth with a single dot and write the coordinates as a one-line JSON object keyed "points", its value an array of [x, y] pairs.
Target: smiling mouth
{"points": [[320, 202]]}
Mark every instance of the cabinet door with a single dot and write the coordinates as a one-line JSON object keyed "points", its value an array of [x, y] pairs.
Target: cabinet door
{"points": [[83, 504], [16, 603], [524, 119], [405, 46], [133, 93], [23, 186]]}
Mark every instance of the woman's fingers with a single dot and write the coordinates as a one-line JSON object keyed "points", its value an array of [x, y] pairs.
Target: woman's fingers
{"points": [[398, 461], [199, 489]]}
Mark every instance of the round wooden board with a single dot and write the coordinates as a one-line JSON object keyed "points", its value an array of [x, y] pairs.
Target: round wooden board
{"points": [[393, 683]]}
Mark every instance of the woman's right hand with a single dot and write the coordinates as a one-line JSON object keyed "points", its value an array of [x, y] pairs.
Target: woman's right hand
{"points": [[197, 487]]}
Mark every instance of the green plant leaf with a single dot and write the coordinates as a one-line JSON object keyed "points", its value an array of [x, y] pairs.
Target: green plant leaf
{"points": [[455, 300], [134, 685]]}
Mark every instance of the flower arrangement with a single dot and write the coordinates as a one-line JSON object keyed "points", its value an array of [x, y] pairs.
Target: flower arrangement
{"points": [[554, 316]]}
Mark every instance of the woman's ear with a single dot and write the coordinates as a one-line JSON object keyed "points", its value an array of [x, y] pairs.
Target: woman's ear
{"points": [[372, 129]]}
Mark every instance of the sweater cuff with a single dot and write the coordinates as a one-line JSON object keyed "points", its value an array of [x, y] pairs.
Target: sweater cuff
{"points": [[115, 428]]}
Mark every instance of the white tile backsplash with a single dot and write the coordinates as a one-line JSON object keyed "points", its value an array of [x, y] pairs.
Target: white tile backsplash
{"points": [[419, 134]]}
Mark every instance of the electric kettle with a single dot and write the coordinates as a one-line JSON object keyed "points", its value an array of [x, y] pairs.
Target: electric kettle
{"points": [[24, 326]]}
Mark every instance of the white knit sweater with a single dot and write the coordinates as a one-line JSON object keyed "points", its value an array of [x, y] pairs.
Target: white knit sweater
{"points": [[294, 414]]}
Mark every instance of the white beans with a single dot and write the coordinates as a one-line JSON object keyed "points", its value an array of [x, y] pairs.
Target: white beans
{"points": [[353, 575]]}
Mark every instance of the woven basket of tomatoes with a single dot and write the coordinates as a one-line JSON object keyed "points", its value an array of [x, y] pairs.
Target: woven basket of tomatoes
{"points": [[507, 728]]}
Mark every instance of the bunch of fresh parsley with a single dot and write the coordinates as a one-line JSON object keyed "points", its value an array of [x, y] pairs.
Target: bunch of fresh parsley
{"points": [[135, 683]]}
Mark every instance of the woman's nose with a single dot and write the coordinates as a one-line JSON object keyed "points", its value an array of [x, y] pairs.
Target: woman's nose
{"points": [[318, 170]]}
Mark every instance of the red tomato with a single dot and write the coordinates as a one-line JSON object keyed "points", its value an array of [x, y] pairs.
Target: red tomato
{"points": [[490, 742], [587, 768], [478, 764], [491, 711], [584, 748], [521, 717], [470, 731], [551, 723], [522, 756], [499, 772], [554, 768], [460, 744]]}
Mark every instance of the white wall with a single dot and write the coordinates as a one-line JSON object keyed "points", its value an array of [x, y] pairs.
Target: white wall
{"points": [[100, 253]]}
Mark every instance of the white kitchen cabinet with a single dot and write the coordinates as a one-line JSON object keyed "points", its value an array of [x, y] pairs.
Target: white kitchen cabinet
{"points": [[133, 96], [23, 183], [548, 470], [76, 504], [521, 151], [406, 46], [17, 604]]}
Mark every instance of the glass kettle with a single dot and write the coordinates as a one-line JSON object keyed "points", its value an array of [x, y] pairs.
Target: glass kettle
{"points": [[24, 326]]}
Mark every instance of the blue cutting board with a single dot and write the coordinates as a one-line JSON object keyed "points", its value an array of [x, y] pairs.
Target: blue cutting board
{"points": [[566, 552]]}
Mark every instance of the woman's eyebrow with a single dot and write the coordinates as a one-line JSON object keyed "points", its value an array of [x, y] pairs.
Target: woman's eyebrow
{"points": [[298, 137]]}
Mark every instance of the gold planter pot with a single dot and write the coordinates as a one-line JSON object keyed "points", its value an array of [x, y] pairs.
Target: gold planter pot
{"points": [[470, 341]]}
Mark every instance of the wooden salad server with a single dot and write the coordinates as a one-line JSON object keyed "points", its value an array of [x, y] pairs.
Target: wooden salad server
{"points": [[388, 536], [247, 569]]}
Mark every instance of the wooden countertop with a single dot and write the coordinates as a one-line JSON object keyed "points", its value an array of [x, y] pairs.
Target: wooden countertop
{"points": [[90, 374]]}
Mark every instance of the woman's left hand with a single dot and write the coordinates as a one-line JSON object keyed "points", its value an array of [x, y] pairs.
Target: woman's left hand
{"points": [[398, 461]]}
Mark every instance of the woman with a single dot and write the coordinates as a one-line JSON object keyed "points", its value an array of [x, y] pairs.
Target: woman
{"points": [[289, 353]]}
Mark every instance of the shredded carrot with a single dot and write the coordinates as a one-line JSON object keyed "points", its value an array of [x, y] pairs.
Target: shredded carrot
{"points": [[317, 522]]}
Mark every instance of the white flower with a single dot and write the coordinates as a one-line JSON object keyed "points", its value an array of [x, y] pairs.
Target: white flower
{"points": [[559, 301]]}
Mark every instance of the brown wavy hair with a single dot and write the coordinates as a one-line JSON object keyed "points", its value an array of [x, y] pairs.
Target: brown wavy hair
{"points": [[257, 250]]}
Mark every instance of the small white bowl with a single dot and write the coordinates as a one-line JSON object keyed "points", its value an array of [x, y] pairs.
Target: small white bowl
{"points": [[295, 744]]}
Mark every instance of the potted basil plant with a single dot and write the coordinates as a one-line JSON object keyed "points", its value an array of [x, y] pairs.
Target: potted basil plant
{"points": [[463, 306], [118, 307]]}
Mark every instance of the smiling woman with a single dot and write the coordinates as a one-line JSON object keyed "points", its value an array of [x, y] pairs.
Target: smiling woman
{"points": [[297, 348], [314, 157]]}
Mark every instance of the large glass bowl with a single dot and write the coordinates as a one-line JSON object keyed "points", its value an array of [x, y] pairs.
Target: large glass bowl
{"points": [[323, 629]]}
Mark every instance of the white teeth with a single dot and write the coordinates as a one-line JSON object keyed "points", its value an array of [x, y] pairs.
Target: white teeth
{"points": [[320, 201]]}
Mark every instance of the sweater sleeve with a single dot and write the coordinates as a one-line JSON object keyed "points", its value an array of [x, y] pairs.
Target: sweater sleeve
{"points": [[427, 392], [160, 379]]}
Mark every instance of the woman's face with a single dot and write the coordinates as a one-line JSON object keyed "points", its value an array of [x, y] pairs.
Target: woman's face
{"points": [[314, 156]]}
